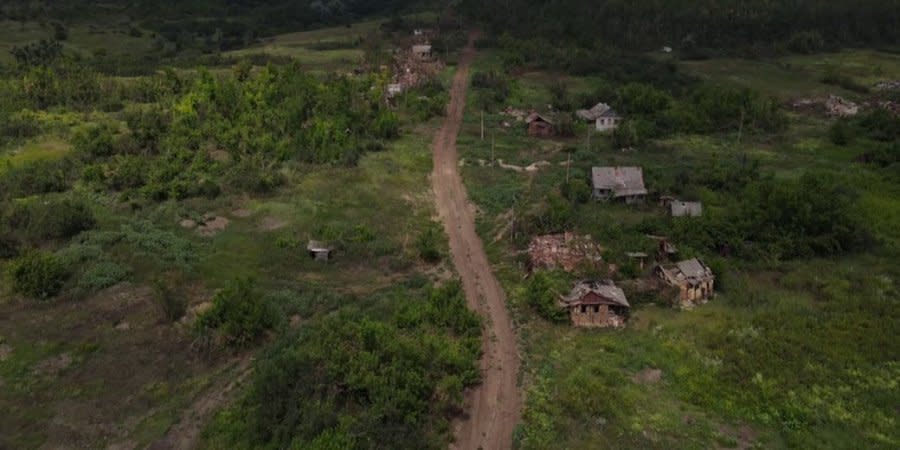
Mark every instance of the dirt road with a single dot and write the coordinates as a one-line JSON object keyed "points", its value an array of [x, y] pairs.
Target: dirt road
{"points": [[494, 407]]}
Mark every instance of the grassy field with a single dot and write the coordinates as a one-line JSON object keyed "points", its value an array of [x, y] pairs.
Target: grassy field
{"points": [[793, 77], [755, 368]]}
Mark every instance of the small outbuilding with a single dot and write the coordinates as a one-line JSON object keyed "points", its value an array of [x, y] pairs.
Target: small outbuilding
{"points": [[594, 304], [539, 126], [694, 280], [603, 116], [319, 251], [394, 89], [678, 208], [618, 183], [422, 51]]}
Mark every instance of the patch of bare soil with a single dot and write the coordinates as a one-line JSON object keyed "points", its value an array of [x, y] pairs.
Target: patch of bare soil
{"points": [[242, 213], [212, 226], [117, 381], [219, 155], [187, 223], [270, 223], [647, 376], [185, 433], [744, 435], [53, 365], [493, 408], [6, 351]]}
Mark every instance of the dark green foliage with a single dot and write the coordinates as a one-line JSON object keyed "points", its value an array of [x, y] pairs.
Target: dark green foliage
{"points": [[688, 24], [42, 220], [255, 174], [357, 383], [806, 42], [38, 177], [840, 133], [38, 275], [170, 301], [782, 219], [492, 88], [880, 124], [542, 293], [102, 275], [240, 314], [148, 124], [39, 53], [23, 124], [642, 99], [576, 190], [428, 244], [94, 141]]}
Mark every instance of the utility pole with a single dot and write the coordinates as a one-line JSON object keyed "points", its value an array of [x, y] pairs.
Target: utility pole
{"points": [[492, 150], [482, 124]]}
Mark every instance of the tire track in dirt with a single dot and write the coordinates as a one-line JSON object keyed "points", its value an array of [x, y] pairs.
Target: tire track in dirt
{"points": [[493, 408]]}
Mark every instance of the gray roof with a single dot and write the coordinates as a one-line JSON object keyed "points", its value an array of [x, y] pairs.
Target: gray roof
{"points": [[679, 208], [599, 110], [537, 116], [607, 290], [689, 270], [421, 48], [622, 181]]}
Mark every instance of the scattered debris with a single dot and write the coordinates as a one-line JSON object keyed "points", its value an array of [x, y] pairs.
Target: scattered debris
{"points": [[187, 223], [666, 49], [837, 106], [242, 213], [619, 183], [694, 280], [566, 251], [394, 89], [648, 376], [422, 51], [123, 326], [596, 304], [212, 225], [319, 251], [517, 114], [891, 85]]}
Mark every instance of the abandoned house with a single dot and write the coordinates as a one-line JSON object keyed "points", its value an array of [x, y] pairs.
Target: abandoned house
{"points": [[422, 51], [595, 304], [694, 280], [603, 116], [319, 251], [539, 126], [639, 257], [565, 251], [678, 208], [618, 183]]}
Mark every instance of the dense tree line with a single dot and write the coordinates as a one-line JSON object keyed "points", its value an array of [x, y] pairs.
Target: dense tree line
{"points": [[686, 24]]}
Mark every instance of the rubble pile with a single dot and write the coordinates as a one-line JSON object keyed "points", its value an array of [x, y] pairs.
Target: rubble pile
{"points": [[837, 106], [565, 251]]}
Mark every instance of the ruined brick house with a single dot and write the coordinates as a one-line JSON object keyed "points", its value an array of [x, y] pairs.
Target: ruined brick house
{"points": [[593, 304], [319, 251], [422, 51], [539, 126], [566, 251], [618, 183], [695, 281]]}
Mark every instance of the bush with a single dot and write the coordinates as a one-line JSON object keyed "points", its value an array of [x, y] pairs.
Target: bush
{"points": [[576, 191], [38, 275], [24, 124], [38, 177], [94, 141], [806, 42], [56, 219], [428, 244], [541, 295], [169, 300], [102, 275], [240, 314]]}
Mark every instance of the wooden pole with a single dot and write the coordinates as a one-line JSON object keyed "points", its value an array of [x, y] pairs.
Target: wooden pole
{"points": [[492, 150], [482, 125], [741, 127], [568, 166]]}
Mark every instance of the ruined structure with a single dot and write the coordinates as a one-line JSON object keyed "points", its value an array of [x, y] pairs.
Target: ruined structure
{"points": [[565, 251], [618, 183], [319, 251], [694, 280], [603, 116], [594, 304], [678, 208]]}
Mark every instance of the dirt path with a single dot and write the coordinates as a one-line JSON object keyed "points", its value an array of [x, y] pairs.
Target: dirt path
{"points": [[184, 434], [493, 408]]}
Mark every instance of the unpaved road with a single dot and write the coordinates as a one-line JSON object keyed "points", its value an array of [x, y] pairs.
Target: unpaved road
{"points": [[493, 408]]}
